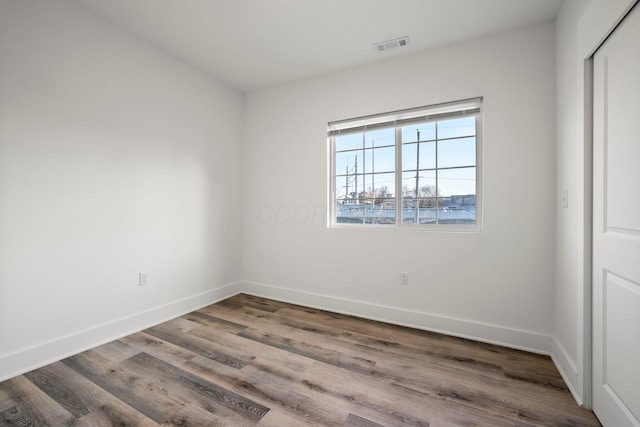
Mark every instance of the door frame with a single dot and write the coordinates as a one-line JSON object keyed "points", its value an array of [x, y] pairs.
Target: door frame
{"points": [[587, 295]]}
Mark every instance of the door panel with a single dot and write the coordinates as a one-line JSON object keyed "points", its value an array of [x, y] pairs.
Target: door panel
{"points": [[622, 151], [621, 303], [616, 226]]}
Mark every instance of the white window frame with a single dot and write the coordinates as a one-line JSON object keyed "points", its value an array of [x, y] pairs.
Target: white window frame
{"points": [[397, 119]]}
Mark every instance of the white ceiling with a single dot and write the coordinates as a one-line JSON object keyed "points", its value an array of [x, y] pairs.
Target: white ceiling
{"points": [[254, 44]]}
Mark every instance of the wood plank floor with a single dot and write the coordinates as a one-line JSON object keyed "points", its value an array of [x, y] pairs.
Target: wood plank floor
{"points": [[248, 361]]}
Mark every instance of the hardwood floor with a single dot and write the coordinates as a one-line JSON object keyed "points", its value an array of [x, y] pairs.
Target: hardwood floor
{"points": [[249, 361]]}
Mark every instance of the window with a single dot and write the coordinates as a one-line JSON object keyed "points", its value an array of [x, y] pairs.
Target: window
{"points": [[418, 167]]}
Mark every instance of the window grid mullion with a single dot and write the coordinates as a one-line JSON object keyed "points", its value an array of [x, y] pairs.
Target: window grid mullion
{"points": [[437, 169], [364, 170], [398, 175]]}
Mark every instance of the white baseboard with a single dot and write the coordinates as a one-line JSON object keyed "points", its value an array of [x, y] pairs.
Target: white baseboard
{"points": [[25, 360], [567, 368], [493, 334]]}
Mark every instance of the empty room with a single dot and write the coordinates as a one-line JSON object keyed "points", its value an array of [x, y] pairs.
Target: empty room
{"points": [[323, 213]]}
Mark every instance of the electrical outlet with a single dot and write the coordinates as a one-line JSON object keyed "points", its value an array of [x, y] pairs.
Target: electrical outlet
{"points": [[143, 278], [404, 278]]}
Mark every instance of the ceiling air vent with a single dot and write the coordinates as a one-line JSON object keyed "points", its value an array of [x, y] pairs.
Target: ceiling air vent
{"points": [[391, 44]]}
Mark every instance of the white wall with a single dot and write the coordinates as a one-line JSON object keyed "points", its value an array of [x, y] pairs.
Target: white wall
{"points": [[494, 286], [114, 159], [581, 27]]}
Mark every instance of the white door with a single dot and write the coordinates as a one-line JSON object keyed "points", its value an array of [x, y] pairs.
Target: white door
{"points": [[616, 226]]}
